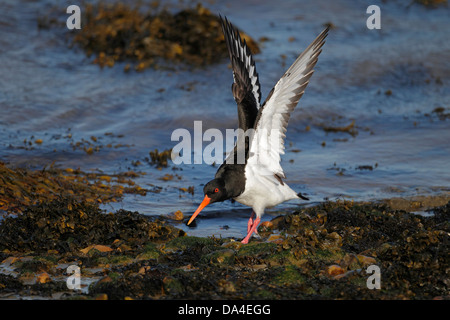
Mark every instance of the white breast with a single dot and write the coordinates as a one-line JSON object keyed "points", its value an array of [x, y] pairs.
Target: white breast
{"points": [[263, 190]]}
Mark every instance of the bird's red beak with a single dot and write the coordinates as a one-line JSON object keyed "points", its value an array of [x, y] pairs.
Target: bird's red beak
{"points": [[204, 203]]}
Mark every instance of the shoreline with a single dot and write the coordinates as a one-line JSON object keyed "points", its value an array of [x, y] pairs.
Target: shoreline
{"points": [[320, 252]]}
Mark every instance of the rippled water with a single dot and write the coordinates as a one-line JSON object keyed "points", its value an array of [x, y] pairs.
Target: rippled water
{"points": [[387, 81]]}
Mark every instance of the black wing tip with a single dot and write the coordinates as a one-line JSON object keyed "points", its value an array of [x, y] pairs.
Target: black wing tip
{"points": [[224, 22], [324, 34], [232, 35], [222, 18]]}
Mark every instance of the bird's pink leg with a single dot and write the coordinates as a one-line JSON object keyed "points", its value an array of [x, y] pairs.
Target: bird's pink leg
{"points": [[250, 222], [252, 229]]}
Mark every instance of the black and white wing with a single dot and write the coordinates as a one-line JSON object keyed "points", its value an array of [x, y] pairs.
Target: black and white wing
{"points": [[267, 143], [246, 88]]}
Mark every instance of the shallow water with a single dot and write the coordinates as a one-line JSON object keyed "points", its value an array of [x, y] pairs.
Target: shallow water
{"points": [[388, 81]]}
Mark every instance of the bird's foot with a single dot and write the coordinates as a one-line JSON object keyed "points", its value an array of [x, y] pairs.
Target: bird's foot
{"points": [[252, 230], [250, 225], [251, 222]]}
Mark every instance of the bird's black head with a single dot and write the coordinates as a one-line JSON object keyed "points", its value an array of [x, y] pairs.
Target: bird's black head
{"points": [[214, 192]]}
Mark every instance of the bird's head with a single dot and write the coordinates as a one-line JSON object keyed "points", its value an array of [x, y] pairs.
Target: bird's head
{"points": [[214, 192]]}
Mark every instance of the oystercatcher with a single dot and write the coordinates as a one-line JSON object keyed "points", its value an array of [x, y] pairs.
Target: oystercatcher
{"points": [[257, 181]]}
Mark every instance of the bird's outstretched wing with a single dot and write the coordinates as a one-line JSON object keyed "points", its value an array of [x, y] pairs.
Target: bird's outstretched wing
{"points": [[271, 123], [246, 88]]}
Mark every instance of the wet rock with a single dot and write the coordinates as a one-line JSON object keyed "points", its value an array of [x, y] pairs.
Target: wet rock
{"points": [[101, 296], [43, 278], [177, 215], [226, 287], [9, 283], [349, 261], [334, 270], [105, 279], [172, 285], [266, 226], [97, 247], [275, 238], [347, 274], [236, 245], [276, 222], [10, 260], [365, 261], [418, 203], [144, 269], [33, 266]]}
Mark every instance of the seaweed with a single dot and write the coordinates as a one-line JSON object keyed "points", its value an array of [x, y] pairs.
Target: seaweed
{"points": [[67, 225], [118, 32], [21, 188], [320, 252]]}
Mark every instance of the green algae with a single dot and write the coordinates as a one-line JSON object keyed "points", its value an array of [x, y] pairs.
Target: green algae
{"points": [[289, 275], [224, 256], [188, 242], [115, 260], [150, 252], [256, 249]]}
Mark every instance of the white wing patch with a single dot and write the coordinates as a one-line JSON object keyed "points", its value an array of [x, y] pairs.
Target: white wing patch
{"points": [[271, 124]]}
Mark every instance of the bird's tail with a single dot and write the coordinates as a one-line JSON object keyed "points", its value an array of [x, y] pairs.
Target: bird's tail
{"points": [[302, 196]]}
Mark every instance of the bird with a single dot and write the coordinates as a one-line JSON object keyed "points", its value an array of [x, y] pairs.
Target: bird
{"points": [[257, 179]]}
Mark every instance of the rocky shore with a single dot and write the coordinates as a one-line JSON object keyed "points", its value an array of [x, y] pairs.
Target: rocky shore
{"points": [[322, 252]]}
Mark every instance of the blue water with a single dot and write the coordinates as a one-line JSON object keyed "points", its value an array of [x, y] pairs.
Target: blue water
{"points": [[49, 90]]}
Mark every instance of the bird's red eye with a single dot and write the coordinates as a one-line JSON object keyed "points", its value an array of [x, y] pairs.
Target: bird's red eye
{"points": [[216, 190]]}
